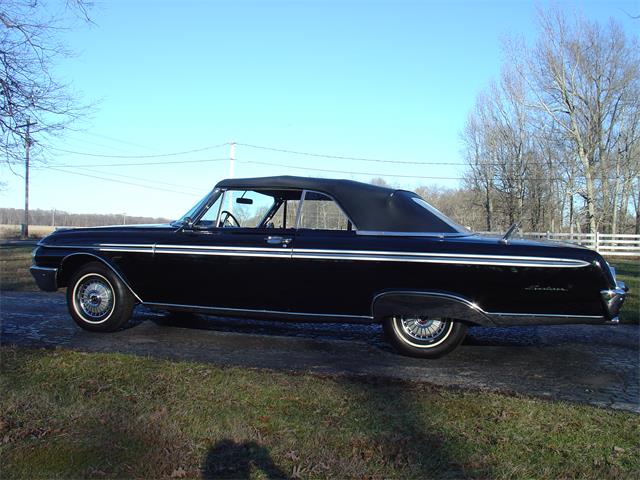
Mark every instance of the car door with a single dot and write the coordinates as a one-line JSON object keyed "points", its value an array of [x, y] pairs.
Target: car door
{"points": [[328, 281], [231, 258]]}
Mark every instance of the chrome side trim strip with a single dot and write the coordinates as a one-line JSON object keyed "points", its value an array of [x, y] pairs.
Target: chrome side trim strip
{"points": [[226, 253], [250, 310], [436, 254], [108, 265], [478, 260], [356, 255], [375, 233]]}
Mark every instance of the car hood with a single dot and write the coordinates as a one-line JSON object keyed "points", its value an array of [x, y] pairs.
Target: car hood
{"points": [[83, 235]]}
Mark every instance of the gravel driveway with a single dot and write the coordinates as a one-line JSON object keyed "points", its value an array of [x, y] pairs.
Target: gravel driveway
{"points": [[596, 364]]}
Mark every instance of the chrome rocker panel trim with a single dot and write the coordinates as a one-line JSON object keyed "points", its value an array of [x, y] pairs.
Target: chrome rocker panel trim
{"points": [[268, 314]]}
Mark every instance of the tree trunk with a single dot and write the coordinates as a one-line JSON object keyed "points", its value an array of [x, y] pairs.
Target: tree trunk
{"points": [[590, 196], [489, 209], [638, 212]]}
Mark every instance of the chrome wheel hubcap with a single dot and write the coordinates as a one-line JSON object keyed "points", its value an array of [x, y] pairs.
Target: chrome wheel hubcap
{"points": [[423, 329], [94, 296]]}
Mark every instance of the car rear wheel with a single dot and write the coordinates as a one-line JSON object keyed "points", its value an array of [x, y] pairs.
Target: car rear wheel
{"points": [[424, 337], [98, 300]]}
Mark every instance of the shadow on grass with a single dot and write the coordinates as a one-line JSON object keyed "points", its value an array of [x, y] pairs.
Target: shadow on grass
{"points": [[231, 460], [407, 437]]}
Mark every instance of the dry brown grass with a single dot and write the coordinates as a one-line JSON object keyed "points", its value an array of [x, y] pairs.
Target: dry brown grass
{"points": [[14, 268], [35, 231]]}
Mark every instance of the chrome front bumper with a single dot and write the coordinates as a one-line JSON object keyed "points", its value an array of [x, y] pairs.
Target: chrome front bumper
{"points": [[46, 278]]}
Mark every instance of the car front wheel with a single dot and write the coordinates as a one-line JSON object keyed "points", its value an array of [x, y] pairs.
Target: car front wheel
{"points": [[424, 337], [98, 300]]}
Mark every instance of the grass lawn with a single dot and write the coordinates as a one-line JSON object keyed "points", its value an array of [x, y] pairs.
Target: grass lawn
{"points": [[629, 272], [66, 414]]}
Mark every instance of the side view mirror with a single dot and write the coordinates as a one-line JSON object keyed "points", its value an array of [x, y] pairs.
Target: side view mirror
{"points": [[188, 223]]}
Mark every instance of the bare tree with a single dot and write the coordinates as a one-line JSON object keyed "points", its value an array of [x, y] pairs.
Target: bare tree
{"points": [[28, 90], [583, 78], [481, 174]]}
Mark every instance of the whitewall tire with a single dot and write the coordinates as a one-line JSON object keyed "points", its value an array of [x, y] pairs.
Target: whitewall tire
{"points": [[424, 337], [97, 299]]}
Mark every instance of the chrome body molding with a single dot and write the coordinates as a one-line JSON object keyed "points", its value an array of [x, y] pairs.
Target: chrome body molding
{"points": [[445, 258], [451, 296], [492, 318], [516, 319], [352, 255], [543, 315], [373, 233], [310, 317]]}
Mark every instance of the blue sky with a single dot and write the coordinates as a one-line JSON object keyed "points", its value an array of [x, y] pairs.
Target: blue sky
{"points": [[377, 79]]}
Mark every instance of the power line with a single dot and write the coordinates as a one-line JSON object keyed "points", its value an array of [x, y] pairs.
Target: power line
{"points": [[125, 183], [342, 157], [373, 174], [347, 172], [113, 139], [88, 154], [90, 170], [140, 164]]}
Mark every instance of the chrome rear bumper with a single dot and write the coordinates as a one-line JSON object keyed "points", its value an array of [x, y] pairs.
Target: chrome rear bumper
{"points": [[613, 300]]}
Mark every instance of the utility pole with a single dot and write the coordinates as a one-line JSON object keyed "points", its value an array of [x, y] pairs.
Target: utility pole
{"points": [[25, 227], [232, 159], [232, 164]]}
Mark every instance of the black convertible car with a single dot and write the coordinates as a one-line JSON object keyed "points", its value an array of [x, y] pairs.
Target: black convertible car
{"points": [[309, 249]]}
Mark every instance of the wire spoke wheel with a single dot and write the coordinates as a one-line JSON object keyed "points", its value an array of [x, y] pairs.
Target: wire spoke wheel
{"points": [[422, 332], [94, 298]]}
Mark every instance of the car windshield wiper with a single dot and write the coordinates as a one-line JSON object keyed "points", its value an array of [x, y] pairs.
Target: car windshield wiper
{"points": [[511, 232]]}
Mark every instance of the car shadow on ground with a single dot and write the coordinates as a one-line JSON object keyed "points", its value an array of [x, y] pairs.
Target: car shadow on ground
{"points": [[477, 337]]}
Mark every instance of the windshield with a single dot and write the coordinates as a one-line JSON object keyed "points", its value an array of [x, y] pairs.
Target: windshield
{"points": [[193, 211]]}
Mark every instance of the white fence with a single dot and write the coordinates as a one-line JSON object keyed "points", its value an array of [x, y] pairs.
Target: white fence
{"points": [[619, 244]]}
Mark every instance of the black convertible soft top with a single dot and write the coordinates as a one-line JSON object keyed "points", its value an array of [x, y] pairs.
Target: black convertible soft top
{"points": [[369, 207]]}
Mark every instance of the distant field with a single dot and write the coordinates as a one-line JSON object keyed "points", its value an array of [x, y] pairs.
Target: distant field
{"points": [[35, 231]]}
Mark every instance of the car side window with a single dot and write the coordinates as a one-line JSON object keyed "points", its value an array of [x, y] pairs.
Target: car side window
{"points": [[244, 208], [285, 216], [320, 212]]}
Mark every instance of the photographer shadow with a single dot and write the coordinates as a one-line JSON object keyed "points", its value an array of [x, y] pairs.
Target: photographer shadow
{"points": [[230, 460]]}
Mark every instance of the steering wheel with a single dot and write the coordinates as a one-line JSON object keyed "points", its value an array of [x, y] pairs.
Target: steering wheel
{"points": [[229, 216]]}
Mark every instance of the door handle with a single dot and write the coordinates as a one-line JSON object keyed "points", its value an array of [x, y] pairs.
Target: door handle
{"points": [[274, 240]]}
